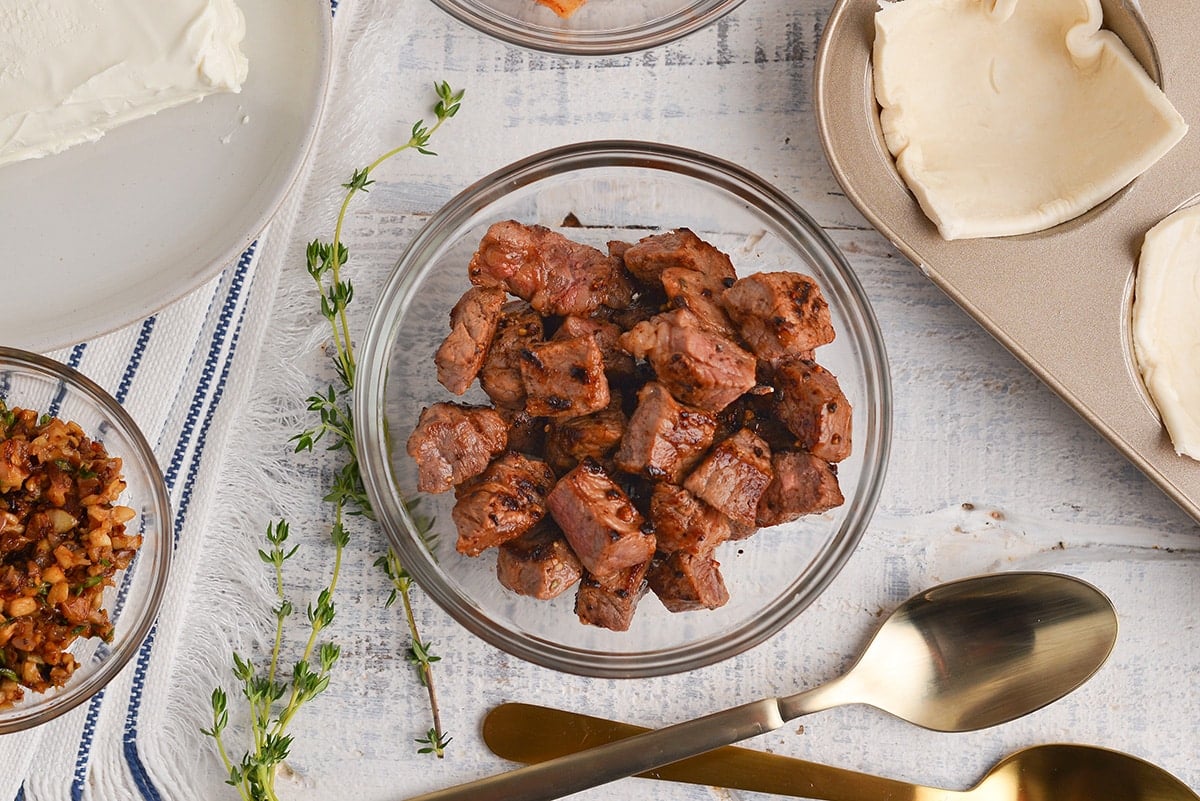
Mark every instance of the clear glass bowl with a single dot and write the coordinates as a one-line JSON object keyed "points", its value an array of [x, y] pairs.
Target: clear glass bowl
{"points": [[35, 382], [599, 28], [616, 190]]}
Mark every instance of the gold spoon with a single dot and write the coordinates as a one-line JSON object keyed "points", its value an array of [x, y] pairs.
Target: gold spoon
{"points": [[961, 656], [526, 733]]}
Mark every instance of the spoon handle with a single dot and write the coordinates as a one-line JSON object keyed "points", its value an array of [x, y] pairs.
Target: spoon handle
{"points": [[595, 766], [530, 734]]}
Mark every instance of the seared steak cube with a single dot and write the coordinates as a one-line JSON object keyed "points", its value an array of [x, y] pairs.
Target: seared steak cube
{"points": [[810, 402], [664, 438], [526, 433], [596, 435], [453, 442], [680, 248], [700, 294], [472, 326], [647, 302], [700, 367], [682, 522], [760, 415], [781, 315], [556, 275], [564, 378], [638, 488], [734, 417], [684, 581], [519, 327], [617, 248], [601, 523], [756, 411], [803, 485], [539, 564], [733, 476], [572, 326], [505, 501], [611, 604], [618, 365], [741, 531]]}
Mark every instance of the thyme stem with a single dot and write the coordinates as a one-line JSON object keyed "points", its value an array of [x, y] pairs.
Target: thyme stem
{"points": [[269, 712]]}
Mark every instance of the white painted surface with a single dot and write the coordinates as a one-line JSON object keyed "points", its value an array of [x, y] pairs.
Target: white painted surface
{"points": [[989, 469], [971, 426]]}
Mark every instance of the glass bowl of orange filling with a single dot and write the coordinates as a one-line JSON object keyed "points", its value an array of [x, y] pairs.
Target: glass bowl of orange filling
{"points": [[587, 27], [84, 539]]}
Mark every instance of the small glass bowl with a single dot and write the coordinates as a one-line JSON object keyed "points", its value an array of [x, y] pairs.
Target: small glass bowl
{"points": [[616, 190], [598, 28], [30, 381]]}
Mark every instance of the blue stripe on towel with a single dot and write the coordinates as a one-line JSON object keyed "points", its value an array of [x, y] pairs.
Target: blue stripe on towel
{"points": [[129, 743], [83, 756], [73, 362], [135, 361], [185, 500]]}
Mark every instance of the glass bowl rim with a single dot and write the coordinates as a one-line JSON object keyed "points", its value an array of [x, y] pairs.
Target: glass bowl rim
{"points": [[371, 433], [589, 43], [53, 703]]}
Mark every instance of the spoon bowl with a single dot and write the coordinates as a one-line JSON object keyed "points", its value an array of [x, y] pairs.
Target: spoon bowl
{"points": [[1067, 772], [978, 652], [961, 656], [531, 734]]}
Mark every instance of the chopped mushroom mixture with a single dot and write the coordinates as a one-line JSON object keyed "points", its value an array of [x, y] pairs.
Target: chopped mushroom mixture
{"points": [[62, 540]]}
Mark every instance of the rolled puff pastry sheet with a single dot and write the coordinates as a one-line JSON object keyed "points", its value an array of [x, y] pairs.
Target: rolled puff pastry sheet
{"points": [[1012, 116], [1166, 325]]}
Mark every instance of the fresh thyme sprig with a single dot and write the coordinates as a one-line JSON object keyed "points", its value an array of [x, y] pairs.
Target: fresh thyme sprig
{"points": [[273, 698], [254, 775], [420, 654]]}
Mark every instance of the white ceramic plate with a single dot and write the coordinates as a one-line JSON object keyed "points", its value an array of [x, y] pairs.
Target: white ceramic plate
{"points": [[108, 233]]}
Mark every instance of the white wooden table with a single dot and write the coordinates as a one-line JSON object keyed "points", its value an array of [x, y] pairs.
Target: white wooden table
{"points": [[989, 469]]}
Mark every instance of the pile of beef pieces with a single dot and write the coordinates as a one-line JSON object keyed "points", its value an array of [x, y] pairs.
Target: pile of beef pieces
{"points": [[648, 406]]}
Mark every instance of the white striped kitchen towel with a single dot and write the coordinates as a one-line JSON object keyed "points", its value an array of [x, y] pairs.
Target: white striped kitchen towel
{"points": [[178, 373], [170, 372]]}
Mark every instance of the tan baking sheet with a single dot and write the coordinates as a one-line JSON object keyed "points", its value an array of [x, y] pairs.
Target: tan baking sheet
{"points": [[1059, 299]]}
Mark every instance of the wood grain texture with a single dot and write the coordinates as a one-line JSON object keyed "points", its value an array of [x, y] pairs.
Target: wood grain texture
{"points": [[989, 469]]}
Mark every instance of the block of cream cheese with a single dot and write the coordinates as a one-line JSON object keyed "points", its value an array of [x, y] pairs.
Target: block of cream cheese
{"points": [[1011, 116], [70, 70], [1166, 325]]}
